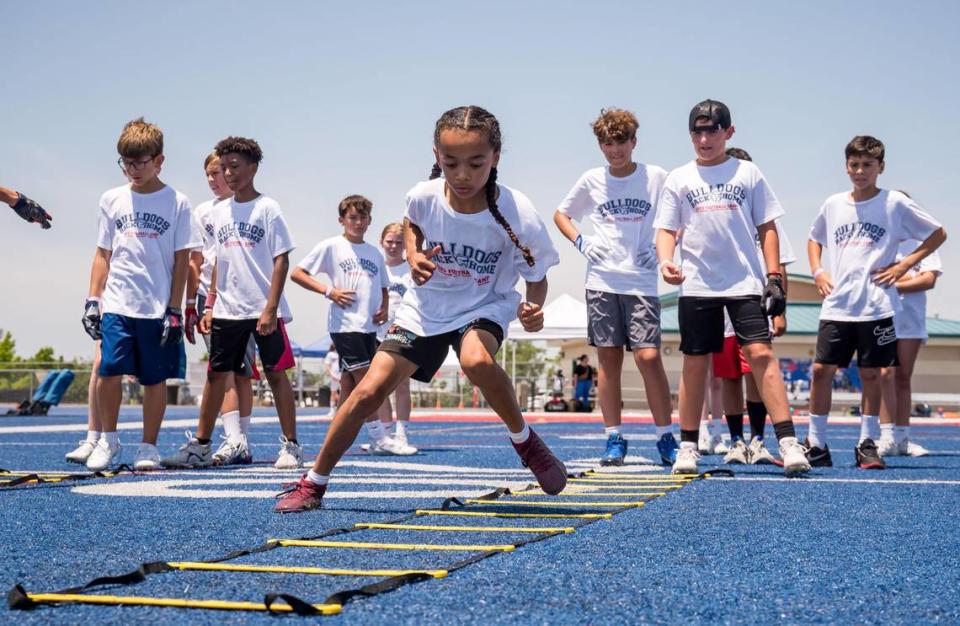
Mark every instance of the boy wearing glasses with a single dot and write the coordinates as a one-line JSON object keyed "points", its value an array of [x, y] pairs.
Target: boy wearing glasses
{"points": [[139, 272], [722, 204]]}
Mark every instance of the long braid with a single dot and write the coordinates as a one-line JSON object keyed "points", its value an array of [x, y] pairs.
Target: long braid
{"points": [[479, 119], [491, 191]]}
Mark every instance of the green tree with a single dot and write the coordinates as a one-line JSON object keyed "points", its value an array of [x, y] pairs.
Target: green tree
{"points": [[8, 349], [44, 355]]}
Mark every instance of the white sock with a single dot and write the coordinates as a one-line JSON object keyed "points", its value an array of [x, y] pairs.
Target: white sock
{"points": [[231, 425], [817, 431], [688, 445], [869, 427], [886, 432], [714, 428], [521, 436], [664, 430], [611, 430], [376, 431], [113, 439], [93, 436], [317, 479], [900, 433], [245, 424], [704, 429], [401, 428]]}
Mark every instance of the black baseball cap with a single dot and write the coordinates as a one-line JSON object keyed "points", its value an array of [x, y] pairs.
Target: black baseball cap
{"points": [[716, 112]]}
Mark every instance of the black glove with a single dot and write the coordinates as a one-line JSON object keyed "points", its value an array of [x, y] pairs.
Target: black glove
{"points": [[31, 211], [91, 318], [172, 327], [773, 300]]}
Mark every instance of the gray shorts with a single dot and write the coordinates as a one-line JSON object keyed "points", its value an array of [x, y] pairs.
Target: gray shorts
{"points": [[249, 358], [615, 320]]}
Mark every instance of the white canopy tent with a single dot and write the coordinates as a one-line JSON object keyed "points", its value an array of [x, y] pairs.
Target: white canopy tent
{"points": [[563, 318]]}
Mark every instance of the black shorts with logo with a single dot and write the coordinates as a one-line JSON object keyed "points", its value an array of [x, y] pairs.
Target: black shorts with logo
{"points": [[428, 353], [701, 322], [356, 350], [874, 341]]}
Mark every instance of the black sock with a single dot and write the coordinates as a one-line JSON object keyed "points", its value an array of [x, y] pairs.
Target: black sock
{"points": [[784, 429], [203, 442], [689, 435], [735, 424], [758, 418], [293, 441]]}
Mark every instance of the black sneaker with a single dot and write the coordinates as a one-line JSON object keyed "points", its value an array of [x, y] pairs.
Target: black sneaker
{"points": [[867, 455], [818, 457]]}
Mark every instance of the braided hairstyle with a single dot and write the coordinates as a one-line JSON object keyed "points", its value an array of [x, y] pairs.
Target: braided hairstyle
{"points": [[479, 119]]}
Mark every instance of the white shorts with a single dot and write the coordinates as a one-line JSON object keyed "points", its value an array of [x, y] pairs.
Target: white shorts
{"points": [[334, 385], [910, 324]]}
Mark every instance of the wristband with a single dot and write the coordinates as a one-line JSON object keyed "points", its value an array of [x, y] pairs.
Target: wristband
{"points": [[93, 299], [191, 301], [329, 290], [817, 272], [777, 274]]}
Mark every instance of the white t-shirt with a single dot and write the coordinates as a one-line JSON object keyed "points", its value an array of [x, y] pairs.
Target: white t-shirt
{"points": [[143, 232], [249, 236], [911, 320], [862, 237], [621, 211], [787, 257], [201, 215], [478, 266], [400, 282], [719, 209], [332, 364], [356, 267]]}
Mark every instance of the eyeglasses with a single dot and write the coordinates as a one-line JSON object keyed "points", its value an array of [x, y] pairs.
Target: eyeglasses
{"points": [[133, 166]]}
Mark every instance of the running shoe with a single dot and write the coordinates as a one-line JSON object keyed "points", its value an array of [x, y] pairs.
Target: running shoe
{"points": [[867, 456], [290, 456], [738, 455], [389, 446], [191, 454], [616, 450], [686, 462], [400, 436], [887, 446], [722, 446], [103, 456], [818, 457], [301, 496], [909, 448], [233, 452], [667, 447], [758, 454], [549, 470], [82, 453], [148, 458], [794, 456]]}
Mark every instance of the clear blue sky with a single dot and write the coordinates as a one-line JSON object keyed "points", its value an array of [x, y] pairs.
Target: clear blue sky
{"points": [[343, 97]]}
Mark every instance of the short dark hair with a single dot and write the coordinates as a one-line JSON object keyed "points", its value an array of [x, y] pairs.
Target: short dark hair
{"points": [[865, 145], [240, 145], [739, 153], [358, 202]]}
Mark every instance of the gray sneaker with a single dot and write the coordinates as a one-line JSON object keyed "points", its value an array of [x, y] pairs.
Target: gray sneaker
{"points": [[233, 452], [191, 454]]}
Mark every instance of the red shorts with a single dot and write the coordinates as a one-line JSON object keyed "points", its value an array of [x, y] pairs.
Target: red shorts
{"points": [[730, 363]]}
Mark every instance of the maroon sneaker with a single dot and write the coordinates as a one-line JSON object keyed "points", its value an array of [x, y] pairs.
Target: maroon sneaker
{"points": [[302, 496], [550, 472]]}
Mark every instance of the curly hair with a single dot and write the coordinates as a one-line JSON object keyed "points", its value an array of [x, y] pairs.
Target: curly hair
{"points": [[140, 139], [479, 119], [739, 153], [240, 145], [615, 125]]}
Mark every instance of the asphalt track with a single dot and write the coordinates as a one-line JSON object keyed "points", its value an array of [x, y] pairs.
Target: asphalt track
{"points": [[843, 545]]}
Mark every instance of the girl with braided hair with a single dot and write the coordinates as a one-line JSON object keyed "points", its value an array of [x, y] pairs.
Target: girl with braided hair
{"points": [[468, 241]]}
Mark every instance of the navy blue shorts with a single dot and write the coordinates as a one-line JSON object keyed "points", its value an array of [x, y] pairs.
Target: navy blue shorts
{"points": [[132, 346]]}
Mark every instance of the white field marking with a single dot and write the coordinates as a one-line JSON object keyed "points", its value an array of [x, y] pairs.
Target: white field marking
{"points": [[457, 429], [603, 437], [167, 424], [635, 461], [800, 481]]}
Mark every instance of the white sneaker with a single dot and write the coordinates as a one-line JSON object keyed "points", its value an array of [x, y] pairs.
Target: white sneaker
{"points": [[705, 443], [291, 455], [721, 445], [82, 453], [686, 462], [738, 454], [388, 446], [886, 446], [233, 452], [148, 457], [401, 438], [758, 454], [909, 448], [190, 454], [103, 456], [794, 456]]}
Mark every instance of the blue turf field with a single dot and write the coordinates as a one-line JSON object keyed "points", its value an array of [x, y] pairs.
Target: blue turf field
{"points": [[844, 545]]}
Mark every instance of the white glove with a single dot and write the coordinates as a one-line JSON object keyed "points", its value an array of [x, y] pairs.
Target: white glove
{"points": [[594, 251]]}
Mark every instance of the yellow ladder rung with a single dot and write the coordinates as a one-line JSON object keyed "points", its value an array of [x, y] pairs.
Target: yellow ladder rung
{"points": [[503, 502], [466, 529], [320, 571], [608, 485], [361, 545], [183, 603], [651, 476], [517, 515], [614, 494], [671, 484]]}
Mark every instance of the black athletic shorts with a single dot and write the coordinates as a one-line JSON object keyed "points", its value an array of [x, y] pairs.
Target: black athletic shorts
{"points": [[701, 322], [875, 343], [428, 353], [228, 346], [356, 350]]}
